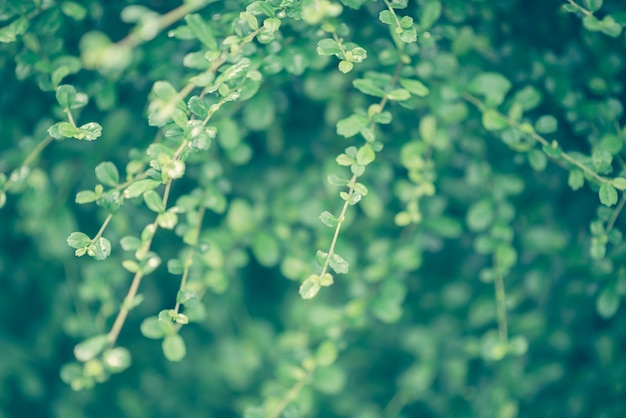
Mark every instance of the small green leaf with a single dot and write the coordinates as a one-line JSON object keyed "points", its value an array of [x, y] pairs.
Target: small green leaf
{"points": [[310, 287], [494, 121], [266, 249], [130, 265], [139, 187], [552, 150], [365, 155], [117, 359], [328, 46], [154, 201], [345, 66], [85, 196], [100, 250], [329, 219], [62, 130], [607, 303], [351, 125], [546, 124], [399, 95], [327, 353], [66, 95], [130, 243], [152, 328], [326, 280], [430, 12], [537, 159], [494, 86], [387, 17], [608, 194], [480, 215], [619, 183], [576, 179], [335, 180], [90, 348], [528, 97], [107, 174], [78, 240], [10, 33], [338, 264], [414, 86], [593, 5], [198, 107], [167, 220], [272, 24], [174, 348], [367, 86], [74, 10], [201, 30], [175, 266], [610, 27]]}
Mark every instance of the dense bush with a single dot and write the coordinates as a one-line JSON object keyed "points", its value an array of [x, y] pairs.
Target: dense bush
{"points": [[288, 208]]}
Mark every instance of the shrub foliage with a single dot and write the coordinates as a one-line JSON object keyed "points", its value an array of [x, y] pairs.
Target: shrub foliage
{"points": [[284, 208]]}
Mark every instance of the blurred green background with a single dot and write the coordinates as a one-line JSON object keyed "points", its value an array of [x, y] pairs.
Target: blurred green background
{"points": [[414, 323]]}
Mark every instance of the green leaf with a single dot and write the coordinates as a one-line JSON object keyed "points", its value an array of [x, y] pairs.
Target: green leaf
{"points": [[91, 347], [399, 95], [74, 10], [591, 23], [576, 179], [607, 303], [429, 13], [198, 107], [480, 215], [537, 159], [335, 180], [272, 24], [201, 30], [387, 17], [66, 95], [351, 125], [367, 86], [593, 5], [608, 194], [85, 196], [62, 130], [494, 86], [10, 33], [546, 124], [117, 359], [328, 46], [310, 287], [610, 27], [140, 187], [414, 86], [174, 348], [100, 250], [327, 353], [78, 240], [130, 243], [167, 220], [175, 266], [107, 174], [493, 121], [345, 66], [326, 280], [365, 155], [329, 219], [528, 97], [154, 201], [619, 183], [338, 264], [266, 249]]}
